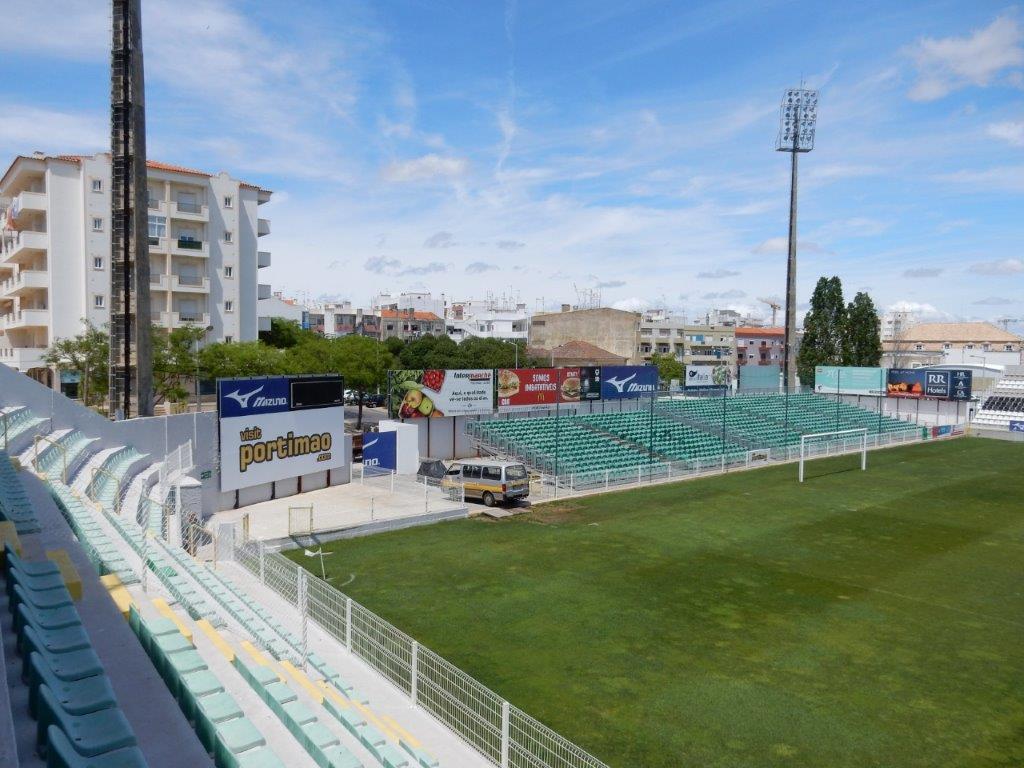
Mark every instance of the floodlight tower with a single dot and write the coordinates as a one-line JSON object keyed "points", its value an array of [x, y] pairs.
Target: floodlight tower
{"points": [[796, 134]]}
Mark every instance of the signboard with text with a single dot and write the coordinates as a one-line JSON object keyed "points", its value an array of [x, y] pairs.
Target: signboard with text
{"points": [[419, 394], [849, 380], [379, 450], [525, 388], [279, 427], [925, 382], [628, 382], [708, 375]]}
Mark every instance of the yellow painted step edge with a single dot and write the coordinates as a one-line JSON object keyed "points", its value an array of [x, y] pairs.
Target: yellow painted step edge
{"points": [[167, 612], [215, 637]]}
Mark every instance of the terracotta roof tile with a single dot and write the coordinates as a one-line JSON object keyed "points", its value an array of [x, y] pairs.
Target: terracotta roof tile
{"points": [[417, 315], [957, 332]]}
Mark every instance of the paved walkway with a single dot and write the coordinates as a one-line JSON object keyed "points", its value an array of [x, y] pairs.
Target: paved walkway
{"points": [[354, 507]]}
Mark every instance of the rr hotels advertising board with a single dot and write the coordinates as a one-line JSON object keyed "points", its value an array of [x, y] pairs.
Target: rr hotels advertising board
{"points": [[943, 384], [279, 427]]}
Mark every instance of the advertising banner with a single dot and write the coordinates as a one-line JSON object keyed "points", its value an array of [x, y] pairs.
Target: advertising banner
{"points": [[1017, 426], [849, 380], [380, 450], [923, 382], [421, 394], [278, 428], [759, 378], [628, 382], [708, 375], [525, 388], [579, 385]]}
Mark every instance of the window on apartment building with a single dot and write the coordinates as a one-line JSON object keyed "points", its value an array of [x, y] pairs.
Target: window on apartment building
{"points": [[947, 345], [968, 346], [228, 201], [99, 301], [97, 185], [228, 236], [229, 272], [229, 306], [97, 224], [97, 262], [1008, 347], [157, 226], [919, 347], [228, 339]]}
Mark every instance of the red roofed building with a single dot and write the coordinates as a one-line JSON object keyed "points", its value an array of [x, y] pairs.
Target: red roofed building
{"points": [[409, 324], [760, 346]]}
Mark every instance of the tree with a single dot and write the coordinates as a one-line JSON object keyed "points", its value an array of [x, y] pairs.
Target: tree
{"points": [[668, 367], [430, 352], [310, 355], [394, 345], [285, 334], [824, 329], [863, 345], [88, 355], [246, 358], [363, 363], [175, 361], [477, 352]]}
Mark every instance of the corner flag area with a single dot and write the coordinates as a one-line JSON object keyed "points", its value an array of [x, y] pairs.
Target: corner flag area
{"points": [[854, 619]]}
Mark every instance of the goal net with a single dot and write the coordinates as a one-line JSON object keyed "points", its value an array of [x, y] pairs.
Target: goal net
{"points": [[821, 444]]}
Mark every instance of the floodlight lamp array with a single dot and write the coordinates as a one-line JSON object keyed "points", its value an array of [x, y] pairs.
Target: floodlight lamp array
{"points": [[798, 119]]}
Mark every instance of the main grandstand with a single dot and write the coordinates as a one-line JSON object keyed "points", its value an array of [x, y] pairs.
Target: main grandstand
{"points": [[675, 436], [124, 649]]}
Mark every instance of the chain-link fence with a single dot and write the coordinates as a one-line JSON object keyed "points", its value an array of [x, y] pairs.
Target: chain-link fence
{"points": [[502, 733]]}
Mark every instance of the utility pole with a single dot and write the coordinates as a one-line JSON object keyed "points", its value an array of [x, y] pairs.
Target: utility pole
{"points": [[131, 364], [796, 134]]}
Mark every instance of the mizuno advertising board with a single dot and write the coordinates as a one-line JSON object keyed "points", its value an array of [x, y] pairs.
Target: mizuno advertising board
{"points": [[380, 450], [628, 382], [420, 394], [279, 427]]}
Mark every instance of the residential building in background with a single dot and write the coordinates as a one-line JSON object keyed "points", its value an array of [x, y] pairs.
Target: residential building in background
{"points": [[276, 305], [414, 300], [204, 232], [760, 346], [409, 324], [500, 318], [613, 331], [688, 342], [969, 344], [575, 353]]}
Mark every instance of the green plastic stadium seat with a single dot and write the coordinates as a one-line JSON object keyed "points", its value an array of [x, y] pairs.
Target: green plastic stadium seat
{"points": [[73, 665], [61, 754], [63, 640], [261, 757], [76, 697], [339, 757], [91, 734]]}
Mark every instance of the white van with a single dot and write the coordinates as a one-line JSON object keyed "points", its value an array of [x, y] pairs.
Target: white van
{"points": [[490, 480]]}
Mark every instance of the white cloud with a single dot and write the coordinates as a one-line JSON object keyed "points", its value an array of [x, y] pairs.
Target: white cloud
{"points": [[1005, 178], [718, 274], [920, 310], [922, 272], [1009, 131], [632, 304], [382, 265], [426, 168], [781, 245], [734, 293], [73, 29], [950, 63], [25, 128], [999, 267], [610, 284], [995, 301], [440, 240], [477, 267]]}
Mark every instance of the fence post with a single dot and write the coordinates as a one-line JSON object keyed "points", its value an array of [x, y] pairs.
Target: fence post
{"points": [[263, 564], [348, 623], [504, 733], [413, 688], [426, 502], [303, 600], [393, 481], [606, 479], [639, 475]]}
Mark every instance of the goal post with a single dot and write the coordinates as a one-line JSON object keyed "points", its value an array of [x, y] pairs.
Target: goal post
{"points": [[827, 438]]}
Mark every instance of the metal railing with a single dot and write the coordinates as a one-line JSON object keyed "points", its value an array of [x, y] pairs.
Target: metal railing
{"points": [[499, 731], [189, 244], [63, 452], [189, 207]]}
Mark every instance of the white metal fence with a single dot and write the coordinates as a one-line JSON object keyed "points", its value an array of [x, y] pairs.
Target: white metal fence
{"points": [[546, 485], [502, 733], [178, 462]]}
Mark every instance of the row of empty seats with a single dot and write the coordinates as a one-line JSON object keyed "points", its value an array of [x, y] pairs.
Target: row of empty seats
{"points": [[79, 722], [1004, 405]]}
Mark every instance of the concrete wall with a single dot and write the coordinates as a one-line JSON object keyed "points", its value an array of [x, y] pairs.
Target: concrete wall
{"points": [[610, 329]]}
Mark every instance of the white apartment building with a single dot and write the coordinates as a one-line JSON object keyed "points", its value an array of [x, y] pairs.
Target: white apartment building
{"points": [[418, 301], [490, 319], [55, 252]]}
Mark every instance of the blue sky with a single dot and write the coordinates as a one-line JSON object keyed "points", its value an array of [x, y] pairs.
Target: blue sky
{"points": [[530, 147]]}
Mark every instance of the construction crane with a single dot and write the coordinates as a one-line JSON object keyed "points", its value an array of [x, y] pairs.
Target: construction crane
{"points": [[775, 305]]}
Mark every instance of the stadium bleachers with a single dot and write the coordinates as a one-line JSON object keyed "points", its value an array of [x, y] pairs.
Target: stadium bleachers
{"points": [[693, 430], [1004, 404], [254, 693]]}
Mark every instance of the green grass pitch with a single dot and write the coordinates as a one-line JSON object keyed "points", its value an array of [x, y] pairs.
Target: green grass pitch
{"points": [[859, 619]]}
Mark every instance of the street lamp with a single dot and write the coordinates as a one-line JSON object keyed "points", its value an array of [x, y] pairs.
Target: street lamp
{"points": [[798, 118]]}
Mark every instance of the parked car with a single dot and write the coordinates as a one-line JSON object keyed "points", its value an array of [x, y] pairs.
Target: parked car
{"points": [[374, 400], [492, 481]]}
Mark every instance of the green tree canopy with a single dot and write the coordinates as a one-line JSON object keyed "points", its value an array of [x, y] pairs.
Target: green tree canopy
{"points": [[174, 361], [285, 334], [668, 367], [246, 358], [88, 355], [363, 363], [824, 329], [863, 345]]}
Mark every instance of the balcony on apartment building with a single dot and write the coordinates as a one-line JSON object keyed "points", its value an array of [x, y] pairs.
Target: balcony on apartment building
{"points": [[262, 227], [29, 202], [18, 246], [188, 210], [262, 259], [24, 280], [181, 319], [263, 291], [23, 358], [180, 246], [25, 318], [190, 283]]}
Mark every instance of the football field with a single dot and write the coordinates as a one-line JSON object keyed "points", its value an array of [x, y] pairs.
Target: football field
{"points": [[860, 619]]}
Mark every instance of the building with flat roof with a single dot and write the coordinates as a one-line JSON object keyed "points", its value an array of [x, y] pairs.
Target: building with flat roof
{"points": [[611, 330], [204, 234], [487, 319], [409, 324], [760, 346]]}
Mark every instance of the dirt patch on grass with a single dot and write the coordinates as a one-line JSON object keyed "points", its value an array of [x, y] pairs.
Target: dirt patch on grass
{"points": [[553, 514]]}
